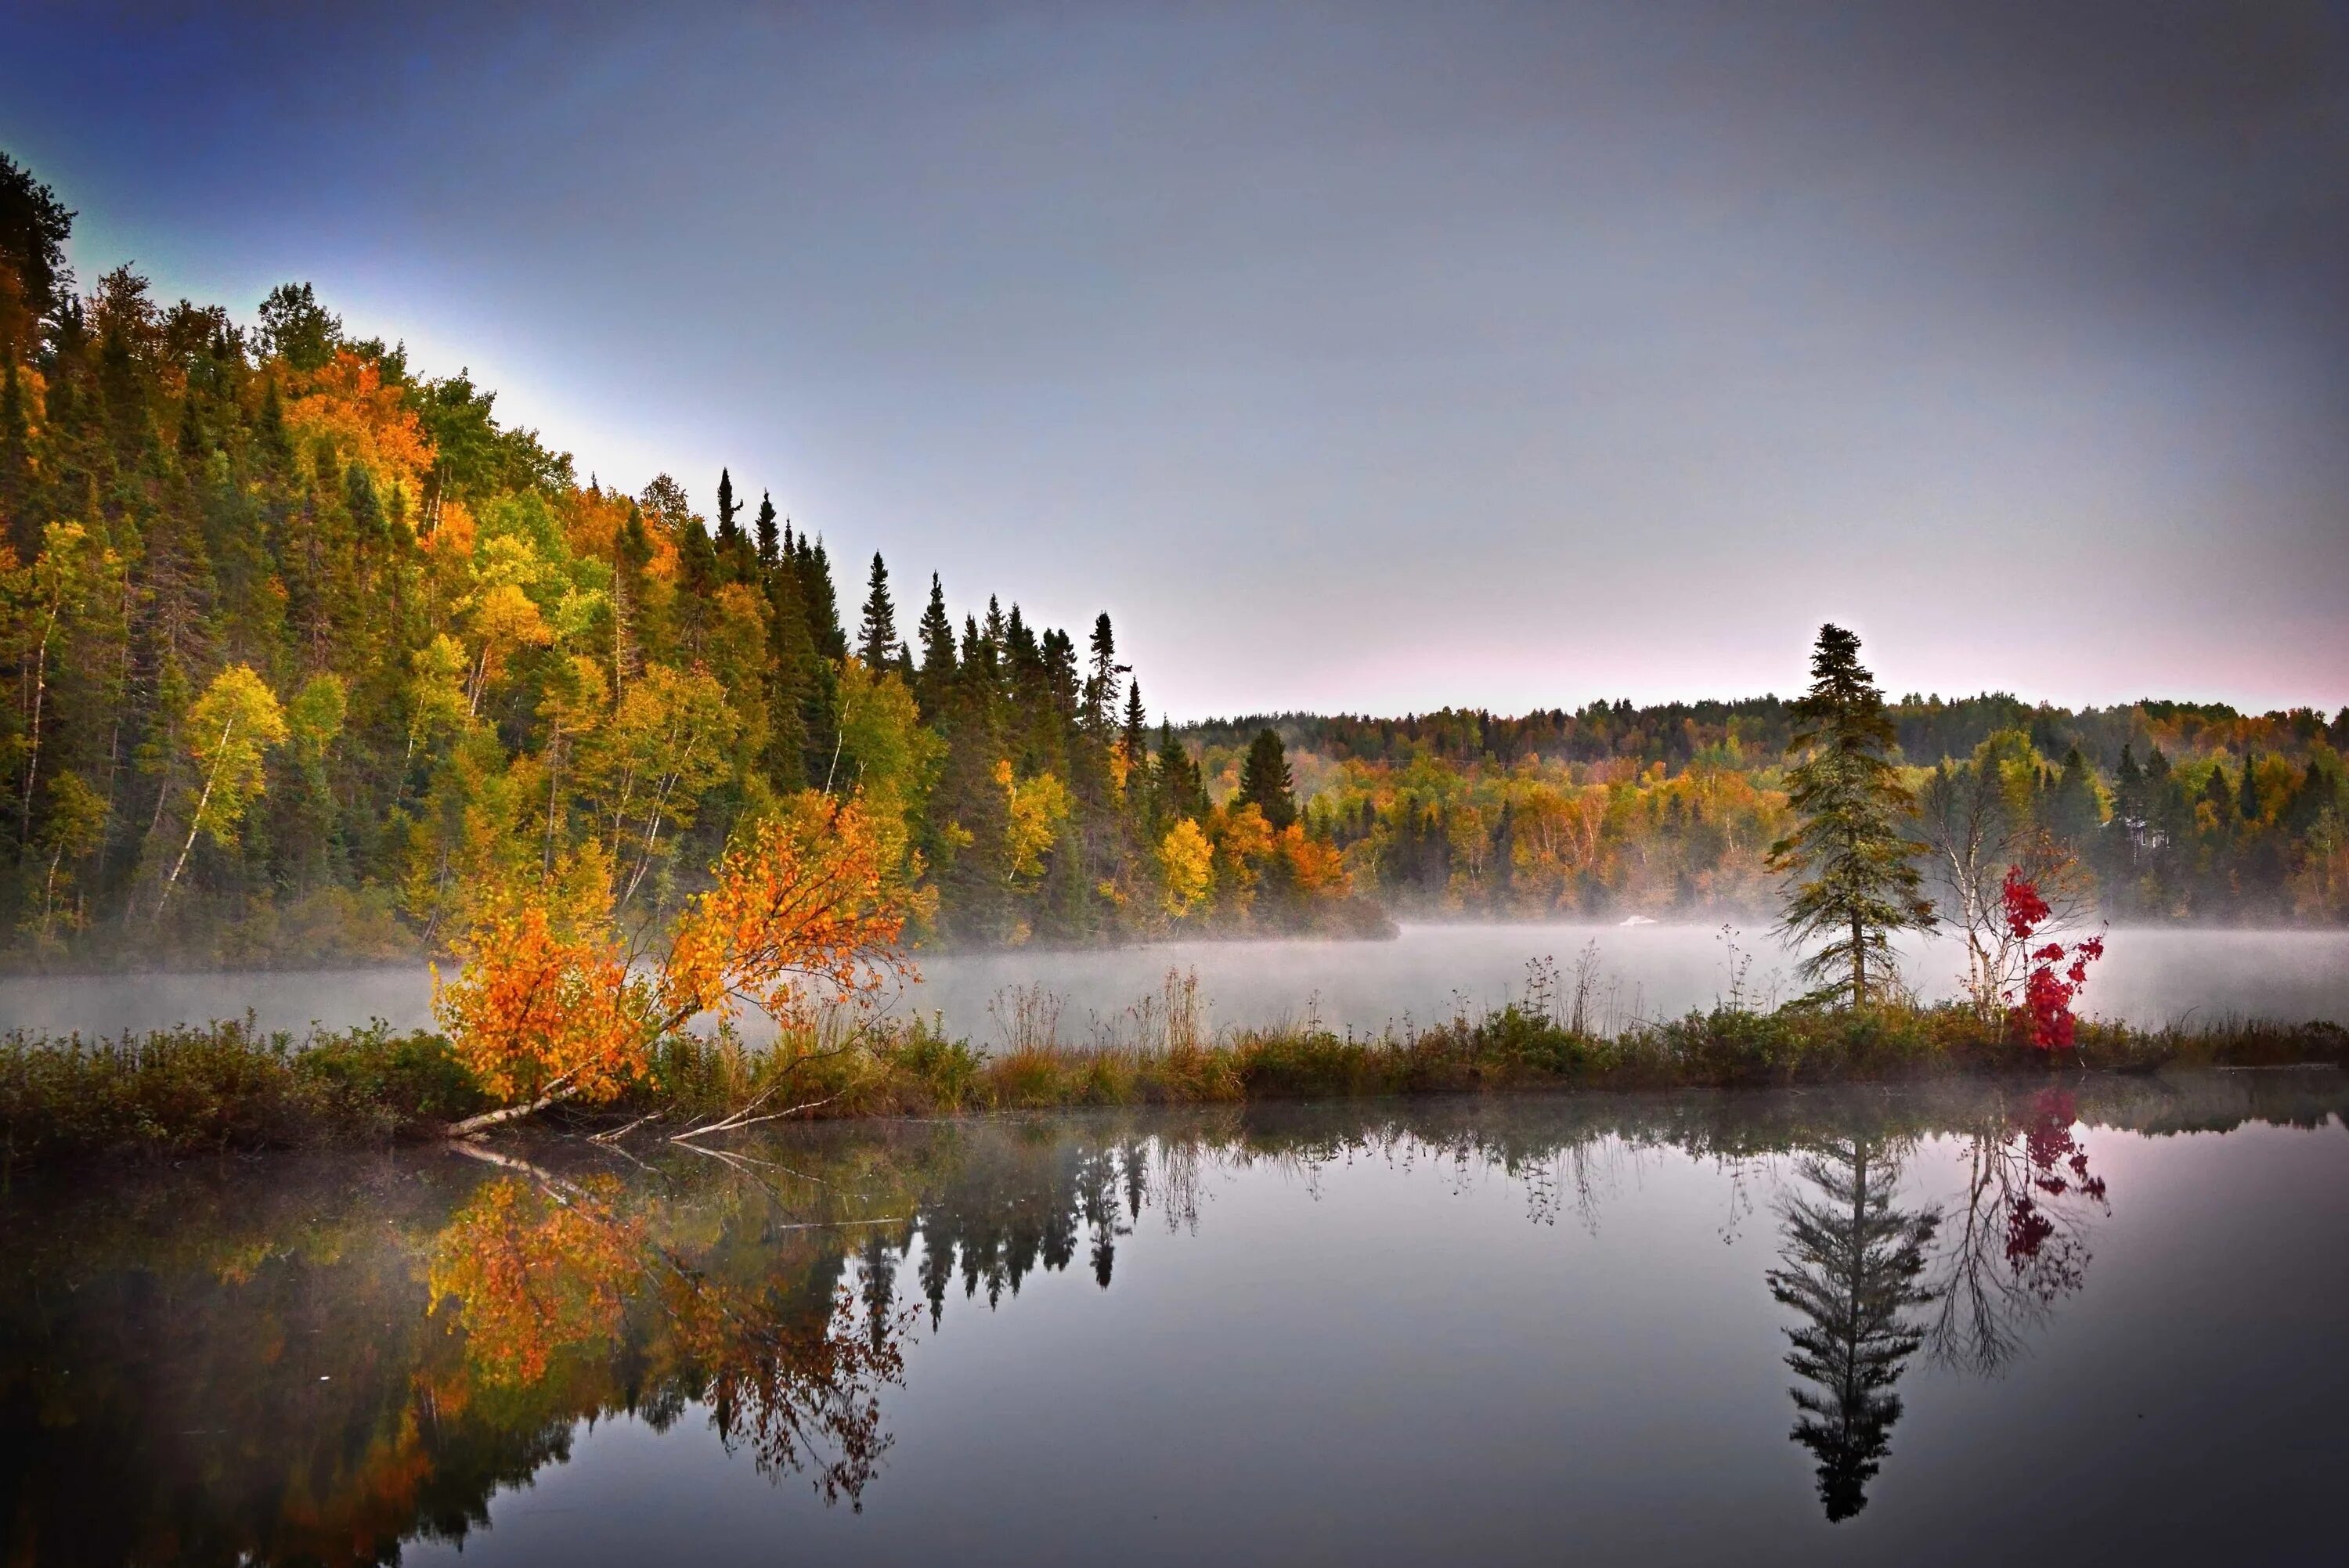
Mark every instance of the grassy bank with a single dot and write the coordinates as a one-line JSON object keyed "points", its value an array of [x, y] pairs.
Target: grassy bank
{"points": [[231, 1087]]}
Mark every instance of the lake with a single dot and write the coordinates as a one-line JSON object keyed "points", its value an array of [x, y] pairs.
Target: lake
{"points": [[2150, 976], [2084, 1318]]}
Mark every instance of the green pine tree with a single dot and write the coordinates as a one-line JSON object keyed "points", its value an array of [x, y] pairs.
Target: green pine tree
{"points": [[1265, 780], [934, 687], [1851, 861], [876, 633], [768, 540]]}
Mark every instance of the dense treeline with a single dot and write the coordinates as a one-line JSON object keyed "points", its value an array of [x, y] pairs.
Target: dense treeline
{"points": [[305, 648], [2166, 810]]}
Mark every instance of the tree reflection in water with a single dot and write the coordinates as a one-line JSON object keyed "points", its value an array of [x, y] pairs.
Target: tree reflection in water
{"points": [[1862, 1272], [316, 1361], [1850, 1263], [2017, 1242]]}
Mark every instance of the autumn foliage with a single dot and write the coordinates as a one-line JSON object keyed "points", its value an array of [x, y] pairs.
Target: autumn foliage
{"points": [[805, 912], [2058, 971]]}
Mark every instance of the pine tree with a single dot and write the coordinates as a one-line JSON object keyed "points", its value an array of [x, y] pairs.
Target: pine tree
{"points": [[876, 633], [791, 685], [934, 688], [2252, 808], [1850, 1267], [1100, 682], [767, 542], [1134, 743], [2128, 787], [1264, 780], [1851, 863], [34, 229], [1177, 789], [814, 569], [728, 534]]}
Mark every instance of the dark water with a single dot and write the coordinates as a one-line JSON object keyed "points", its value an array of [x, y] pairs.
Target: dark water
{"points": [[2101, 1322]]}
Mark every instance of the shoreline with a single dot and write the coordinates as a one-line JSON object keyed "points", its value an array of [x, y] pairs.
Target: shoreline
{"points": [[227, 1088]]}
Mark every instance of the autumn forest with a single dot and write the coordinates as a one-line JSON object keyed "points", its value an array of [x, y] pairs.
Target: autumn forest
{"points": [[304, 646]]}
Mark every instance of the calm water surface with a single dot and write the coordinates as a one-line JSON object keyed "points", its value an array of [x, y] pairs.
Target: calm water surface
{"points": [[2099, 1321], [2150, 976]]}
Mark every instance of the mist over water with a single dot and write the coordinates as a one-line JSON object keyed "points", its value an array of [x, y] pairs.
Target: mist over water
{"points": [[2150, 976]]}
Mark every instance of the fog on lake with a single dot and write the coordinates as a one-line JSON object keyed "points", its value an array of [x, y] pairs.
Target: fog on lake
{"points": [[2150, 976]]}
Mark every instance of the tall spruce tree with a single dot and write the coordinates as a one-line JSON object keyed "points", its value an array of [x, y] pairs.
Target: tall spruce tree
{"points": [[769, 540], [1100, 683], [1851, 861], [1134, 742], [1265, 780], [729, 534], [1177, 789], [934, 687], [876, 633]]}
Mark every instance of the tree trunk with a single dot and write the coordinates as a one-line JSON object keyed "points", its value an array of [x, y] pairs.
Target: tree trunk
{"points": [[488, 1118], [1859, 965]]}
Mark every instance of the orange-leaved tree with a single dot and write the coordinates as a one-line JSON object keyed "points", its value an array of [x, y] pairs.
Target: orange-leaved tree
{"points": [[555, 1002]]}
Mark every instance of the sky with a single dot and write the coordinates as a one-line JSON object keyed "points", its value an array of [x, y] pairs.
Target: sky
{"points": [[1352, 357]]}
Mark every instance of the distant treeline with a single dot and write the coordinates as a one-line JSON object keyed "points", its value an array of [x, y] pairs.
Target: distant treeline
{"points": [[2171, 811]]}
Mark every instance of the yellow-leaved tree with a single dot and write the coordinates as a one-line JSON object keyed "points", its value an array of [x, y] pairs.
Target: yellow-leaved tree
{"points": [[231, 730], [555, 1003], [1186, 867]]}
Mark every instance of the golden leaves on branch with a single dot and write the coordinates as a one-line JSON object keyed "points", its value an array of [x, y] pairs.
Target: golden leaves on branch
{"points": [[805, 910], [809, 909]]}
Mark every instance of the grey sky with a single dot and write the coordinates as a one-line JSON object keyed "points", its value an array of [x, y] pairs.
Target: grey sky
{"points": [[1355, 356]]}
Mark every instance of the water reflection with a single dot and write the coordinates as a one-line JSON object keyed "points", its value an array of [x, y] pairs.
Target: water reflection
{"points": [[315, 1362], [1849, 1266]]}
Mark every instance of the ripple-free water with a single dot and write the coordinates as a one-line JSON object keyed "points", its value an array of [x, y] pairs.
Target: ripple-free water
{"points": [[2149, 977], [2085, 1319]]}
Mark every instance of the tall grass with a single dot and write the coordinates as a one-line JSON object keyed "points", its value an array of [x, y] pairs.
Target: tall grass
{"points": [[230, 1086]]}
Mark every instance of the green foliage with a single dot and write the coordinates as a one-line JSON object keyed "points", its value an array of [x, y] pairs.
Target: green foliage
{"points": [[1266, 783], [230, 1086], [1851, 857]]}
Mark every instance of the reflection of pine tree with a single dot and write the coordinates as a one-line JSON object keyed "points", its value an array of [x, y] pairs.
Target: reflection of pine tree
{"points": [[1852, 1263]]}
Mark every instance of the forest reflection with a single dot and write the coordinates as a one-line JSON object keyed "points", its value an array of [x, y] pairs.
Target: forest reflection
{"points": [[1874, 1281], [315, 1362]]}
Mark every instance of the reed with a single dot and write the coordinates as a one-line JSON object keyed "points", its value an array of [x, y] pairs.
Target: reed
{"points": [[227, 1087]]}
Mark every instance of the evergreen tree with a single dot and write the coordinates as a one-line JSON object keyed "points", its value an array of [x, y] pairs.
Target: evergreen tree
{"points": [[730, 534], [2252, 808], [1134, 742], [1851, 861], [1100, 682], [1264, 780], [934, 687], [2128, 787], [34, 227], [790, 685], [814, 569], [767, 541], [876, 633], [1850, 1263], [1177, 789], [2073, 813]]}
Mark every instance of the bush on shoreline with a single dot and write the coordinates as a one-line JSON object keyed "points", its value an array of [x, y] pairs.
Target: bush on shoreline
{"points": [[228, 1086]]}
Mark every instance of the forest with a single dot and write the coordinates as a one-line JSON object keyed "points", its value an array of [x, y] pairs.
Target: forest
{"points": [[304, 646]]}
